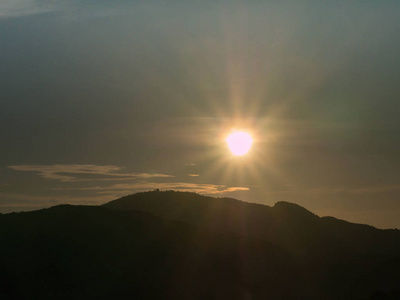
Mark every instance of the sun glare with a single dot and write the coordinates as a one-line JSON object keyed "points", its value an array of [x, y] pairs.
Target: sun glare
{"points": [[239, 142]]}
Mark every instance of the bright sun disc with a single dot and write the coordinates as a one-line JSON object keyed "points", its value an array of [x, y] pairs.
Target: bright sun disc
{"points": [[239, 142]]}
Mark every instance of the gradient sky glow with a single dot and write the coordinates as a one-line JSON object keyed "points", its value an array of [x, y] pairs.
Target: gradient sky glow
{"points": [[99, 99]]}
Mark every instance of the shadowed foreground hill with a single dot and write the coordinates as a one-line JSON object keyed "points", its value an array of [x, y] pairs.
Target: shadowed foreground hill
{"points": [[336, 257], [173, 245], [80, 252], [287, 224]]}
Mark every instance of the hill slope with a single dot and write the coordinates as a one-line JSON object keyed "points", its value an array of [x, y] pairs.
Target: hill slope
{"points": [[337, 254], [81, 252], [171, 245], [287, 224]]}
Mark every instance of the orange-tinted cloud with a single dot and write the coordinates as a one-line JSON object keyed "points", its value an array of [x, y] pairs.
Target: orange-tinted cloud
{"points": [[77, 172]]}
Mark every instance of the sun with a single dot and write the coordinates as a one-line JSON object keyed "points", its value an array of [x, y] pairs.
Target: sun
{"points": [[239, 142]]}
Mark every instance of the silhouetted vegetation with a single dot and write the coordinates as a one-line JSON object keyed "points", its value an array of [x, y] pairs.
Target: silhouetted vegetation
{"points": [[173, 245]]}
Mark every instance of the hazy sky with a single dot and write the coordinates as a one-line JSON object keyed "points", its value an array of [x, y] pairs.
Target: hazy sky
{"points": [[100, 99]]}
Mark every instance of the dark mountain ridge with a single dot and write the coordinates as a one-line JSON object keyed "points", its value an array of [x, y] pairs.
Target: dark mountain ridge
{"points": [[175, 245], [285, 223], [80, 252]]}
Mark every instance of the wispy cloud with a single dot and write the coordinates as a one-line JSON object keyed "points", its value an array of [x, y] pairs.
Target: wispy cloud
{"points": [[77, 172], [70, 9], [18, 8], [15, 202], [95, 189], [123, 189], [357, 190], [345, 190], [193, 175], [375, 189]]}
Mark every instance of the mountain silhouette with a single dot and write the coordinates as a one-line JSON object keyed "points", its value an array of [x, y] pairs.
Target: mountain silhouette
{"points": [[290, 225], [178, 245]]}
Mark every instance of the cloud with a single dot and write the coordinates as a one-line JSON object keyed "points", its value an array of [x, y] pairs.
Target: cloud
{"points": [[124, 189], [10, 202], [193, 175], [77, 172], [94, 174], [70, 9], [19, 8], [375, 189]]}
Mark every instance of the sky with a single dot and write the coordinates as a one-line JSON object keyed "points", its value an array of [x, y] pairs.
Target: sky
{"points": [[101, 99]]}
